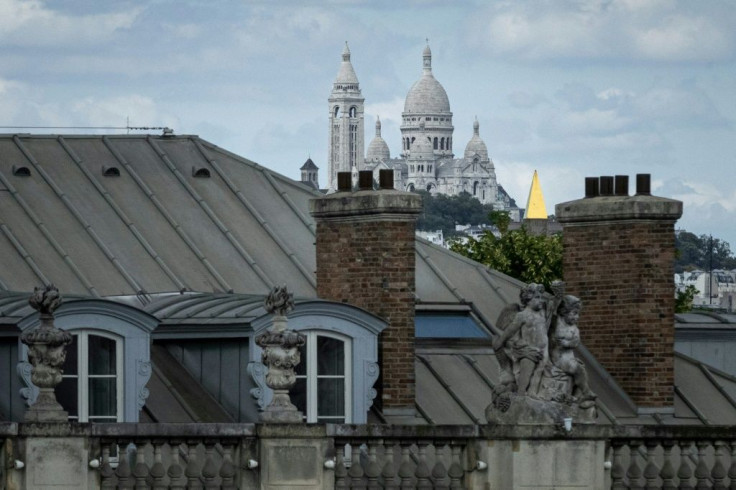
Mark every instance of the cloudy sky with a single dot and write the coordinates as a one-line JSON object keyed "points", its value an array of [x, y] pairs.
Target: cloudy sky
{"points": [[569, 88]]}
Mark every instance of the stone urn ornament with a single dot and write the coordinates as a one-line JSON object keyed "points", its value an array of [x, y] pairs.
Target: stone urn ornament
{"points": [[280, 355], [46, 353]]}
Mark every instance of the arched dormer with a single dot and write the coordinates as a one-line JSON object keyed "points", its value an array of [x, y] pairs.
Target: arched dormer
{"points": [[105, 333], [348, 336]]}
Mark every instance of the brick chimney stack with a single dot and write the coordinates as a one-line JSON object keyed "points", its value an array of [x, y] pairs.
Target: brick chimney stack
{"points": [[619, 253], [366, 257]]}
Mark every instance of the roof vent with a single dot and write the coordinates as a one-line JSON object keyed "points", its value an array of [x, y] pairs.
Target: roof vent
{"points": [[21, 171], [200, 173], [110, 171], [168, 132]]}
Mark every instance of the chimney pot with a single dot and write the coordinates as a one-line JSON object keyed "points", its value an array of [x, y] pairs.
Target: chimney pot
{"points": [[365, 180], [344, 182], [591, 187], [606, 185], [386, 178], [622, 185], [643, 185]]}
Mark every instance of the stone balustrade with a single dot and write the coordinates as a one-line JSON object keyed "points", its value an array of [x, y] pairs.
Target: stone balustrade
{"points": [[240, 456]]}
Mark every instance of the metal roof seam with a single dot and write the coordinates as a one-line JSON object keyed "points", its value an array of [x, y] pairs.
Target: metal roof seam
{"points": [[691, 406], [24, 254], [285, 196], [717, 385], [167, 216], [449, 389], [47, 234], [441, 275], [121, 214], [264, 223], [75, 212], [212, 215]]}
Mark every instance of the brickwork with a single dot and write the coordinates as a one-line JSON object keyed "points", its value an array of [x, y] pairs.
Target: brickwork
{"points": [[623, 273], [369, 262]]}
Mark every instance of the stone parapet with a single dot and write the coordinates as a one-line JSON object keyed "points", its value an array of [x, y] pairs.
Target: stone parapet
{"points": [[604, 209]]}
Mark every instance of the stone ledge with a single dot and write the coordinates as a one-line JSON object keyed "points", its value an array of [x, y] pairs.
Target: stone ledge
{"points": [[618, 208], [391, 204]]}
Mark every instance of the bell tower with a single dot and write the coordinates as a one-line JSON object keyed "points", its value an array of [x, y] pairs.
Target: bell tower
{"points": [[347, 136]]}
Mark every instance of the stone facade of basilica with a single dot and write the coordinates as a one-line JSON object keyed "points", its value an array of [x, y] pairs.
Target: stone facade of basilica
{"points": [[427, 160]]}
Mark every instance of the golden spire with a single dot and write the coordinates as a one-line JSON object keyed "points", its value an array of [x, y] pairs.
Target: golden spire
{"points": [[535, 208]]}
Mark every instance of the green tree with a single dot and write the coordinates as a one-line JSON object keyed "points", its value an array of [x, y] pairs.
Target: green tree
{"points": [[684, 299], [694, 252], [527, 257], [444, 212]]}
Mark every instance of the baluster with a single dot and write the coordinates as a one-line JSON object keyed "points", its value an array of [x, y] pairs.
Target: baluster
{"points": [[732, 468], [373, 469], [356, 468], [123, 470], [227, 470], [176, 471], [439, 470], [140, 470], [209, 469], [193, 470], [389, 469], [718, 473], [617, 469], [158, 472], [422, 470], [634, 473], [651, 471], [668, 470], [106, 472], [456, 471], [341, 473], [701, 469], [685, 472], [406, 469]]}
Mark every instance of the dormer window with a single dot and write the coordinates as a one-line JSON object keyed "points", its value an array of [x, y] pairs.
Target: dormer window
{"points": [[21, 171], [200, 173], [110, 171]]}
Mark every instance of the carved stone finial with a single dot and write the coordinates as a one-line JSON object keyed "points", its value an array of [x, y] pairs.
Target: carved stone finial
{"points": [[46, 353], [279, 301]]}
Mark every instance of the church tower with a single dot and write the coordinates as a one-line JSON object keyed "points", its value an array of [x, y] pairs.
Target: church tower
{"points": [[346, 144]]}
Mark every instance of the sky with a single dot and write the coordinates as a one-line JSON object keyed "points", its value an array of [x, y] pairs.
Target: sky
{"points": [[571, 89]]}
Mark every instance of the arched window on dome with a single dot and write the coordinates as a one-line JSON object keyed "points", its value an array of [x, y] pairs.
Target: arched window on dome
{"points": [[475, 188], [410, 187], [436, 143], [353, 111], [442, 143], [337, 110], [413, 139]]}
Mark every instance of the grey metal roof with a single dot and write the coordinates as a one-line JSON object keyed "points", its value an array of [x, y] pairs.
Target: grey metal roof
{"points": [[455, 381], [126, 214]]}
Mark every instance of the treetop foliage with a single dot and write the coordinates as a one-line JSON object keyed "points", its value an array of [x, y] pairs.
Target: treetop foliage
{"points": [[694, 252], [444, 212]]}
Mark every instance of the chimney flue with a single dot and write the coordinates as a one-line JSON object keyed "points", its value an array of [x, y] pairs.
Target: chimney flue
{"points": [[591, 187], [344, 182], [606, 185], [643, 185], [621, 185], [365, 180], [386, 179]]}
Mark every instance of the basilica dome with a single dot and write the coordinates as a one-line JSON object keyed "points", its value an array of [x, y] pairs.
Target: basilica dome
{"points": [[421, 148], [427, 96], [378, 149], [476, 146]]}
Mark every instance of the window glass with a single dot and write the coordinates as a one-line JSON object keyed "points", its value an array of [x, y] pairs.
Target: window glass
{"points": [[70, 364], [101, 355], [331, 397], [103, 400], [66, 395], [330, 356]]}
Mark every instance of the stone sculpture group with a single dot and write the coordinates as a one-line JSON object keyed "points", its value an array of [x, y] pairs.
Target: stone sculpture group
{"points": [[541, 379]]}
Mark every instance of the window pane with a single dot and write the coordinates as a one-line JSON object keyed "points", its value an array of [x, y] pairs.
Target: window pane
{"points": [[330, 397], [70, 364], [330, 356], [301, 368], [298, 395], [101, 355], [103, 396], [66, 394]]}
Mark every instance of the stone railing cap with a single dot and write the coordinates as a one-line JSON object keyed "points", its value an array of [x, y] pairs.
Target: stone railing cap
{"points": [[606, 208]]}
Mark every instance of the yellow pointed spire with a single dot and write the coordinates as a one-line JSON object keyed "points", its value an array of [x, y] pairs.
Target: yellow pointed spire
{"points": [[535, 208]]}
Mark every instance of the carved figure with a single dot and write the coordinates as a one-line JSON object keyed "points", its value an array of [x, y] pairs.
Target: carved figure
{"points": [[564, 338], [541, 379]]}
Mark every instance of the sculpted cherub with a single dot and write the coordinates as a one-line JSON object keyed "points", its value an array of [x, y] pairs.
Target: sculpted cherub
{"points": [[522, 347], [564, 338]]}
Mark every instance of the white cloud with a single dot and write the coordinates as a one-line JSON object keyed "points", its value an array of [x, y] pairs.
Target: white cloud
{"points": [[115, 111], [389, 111], [649, 30], [33, 23]]}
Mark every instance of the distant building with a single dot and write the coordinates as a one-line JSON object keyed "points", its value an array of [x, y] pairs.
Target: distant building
{"points": [[716, 289], [427, 160]]}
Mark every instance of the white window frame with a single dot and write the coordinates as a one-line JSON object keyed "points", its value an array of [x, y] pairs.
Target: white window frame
{"points": [[83, 376], [312, 377]]}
